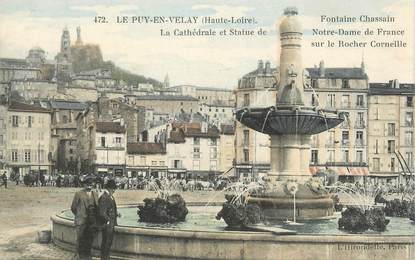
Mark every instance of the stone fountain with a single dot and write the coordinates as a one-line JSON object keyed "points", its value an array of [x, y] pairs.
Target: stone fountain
{"points": [[290, 124]]}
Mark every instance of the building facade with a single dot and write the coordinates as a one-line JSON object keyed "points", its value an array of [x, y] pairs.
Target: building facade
{"points": [[28, 139], [391, 128]]}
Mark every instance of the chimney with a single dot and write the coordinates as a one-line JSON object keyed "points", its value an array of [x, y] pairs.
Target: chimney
{"points": [[260, 67], [267, 68], [321, 69]]}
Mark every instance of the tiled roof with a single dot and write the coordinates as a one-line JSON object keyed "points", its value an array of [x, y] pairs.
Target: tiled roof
{"points": [[387, 89], [338, 73], [176, 136], [23, 107], [166, 97], [145, 148], [69, 105], [110, 127]]}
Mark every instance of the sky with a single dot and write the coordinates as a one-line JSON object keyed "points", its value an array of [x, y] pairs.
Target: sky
{"points": [[208, 61]]}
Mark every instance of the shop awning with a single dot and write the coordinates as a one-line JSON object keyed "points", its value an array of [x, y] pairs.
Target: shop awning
{"points": [[342, 170]]}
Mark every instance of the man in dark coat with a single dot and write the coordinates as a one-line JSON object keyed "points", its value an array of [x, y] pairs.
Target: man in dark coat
{"points": [[84, 202], [108, 215], [4, 178]]}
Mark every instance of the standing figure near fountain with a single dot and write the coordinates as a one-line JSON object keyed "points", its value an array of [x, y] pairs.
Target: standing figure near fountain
{"points": [[108, 215], [83, 207], [290, 124]]}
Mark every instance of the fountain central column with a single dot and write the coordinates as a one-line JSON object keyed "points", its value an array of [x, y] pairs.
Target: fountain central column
{"points": [[290, 156]]}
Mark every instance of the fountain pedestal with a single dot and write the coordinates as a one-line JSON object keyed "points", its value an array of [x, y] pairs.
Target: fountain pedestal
{"points": [[290, 156]]}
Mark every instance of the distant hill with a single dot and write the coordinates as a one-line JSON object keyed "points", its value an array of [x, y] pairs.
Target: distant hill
{"points": [[89, 57]]}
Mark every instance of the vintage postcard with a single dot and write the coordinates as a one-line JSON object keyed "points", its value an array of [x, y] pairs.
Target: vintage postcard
{"points": [[190, 129]]}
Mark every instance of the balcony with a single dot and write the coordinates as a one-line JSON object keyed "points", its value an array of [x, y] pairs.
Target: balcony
{"points": [[345, 142], [360, 105], [345, 125], [359, 143]]}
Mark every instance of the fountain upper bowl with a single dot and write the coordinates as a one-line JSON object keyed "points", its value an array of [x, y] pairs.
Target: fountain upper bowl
{"points": [[283, 120]]}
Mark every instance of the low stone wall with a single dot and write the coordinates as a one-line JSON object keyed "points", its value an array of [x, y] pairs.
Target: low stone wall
{"points": [[155, 243]]}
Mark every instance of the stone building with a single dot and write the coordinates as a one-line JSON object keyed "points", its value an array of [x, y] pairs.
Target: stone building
{"points": [[172, 104], [217, 114], [102, 147], [17, 69], [255, 89], [207, 95], [391, 130], [343, 148], [226, 148], [35, 89], [147, 160], [64, 133], [3, 133], [28, 138], [194, 149]]}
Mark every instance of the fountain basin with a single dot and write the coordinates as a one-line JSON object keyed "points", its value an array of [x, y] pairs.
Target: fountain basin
{"points": [[314, 240], [290, 120]]}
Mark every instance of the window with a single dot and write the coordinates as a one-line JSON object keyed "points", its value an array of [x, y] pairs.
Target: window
{"points": [[196, 152], [376, 164], [331, 156], [345, 137], [246, 100], [213, 153], [103, 141], [333, 82], [177, 164], [345, 101], [345, 154], [331, 100], [377, 146], [213, 165], [118, 140], [1, 140], [359, 101], [410, 159], [154, 163], [330, 141], [391, 146], [360, 120], [64, 119], [29, 121], [314, 83], [409, 138], [392, 164], [409, 119], [345, 83], [2, 125], [246, 155], [314, 156], [41, 156], [391, 129], [27, 155], [246, 138], [1, 155], [359, 138], [213, 141], [409, 101], [196, 141], [15, 157], [15, 121], [71, 151], [161, 163], [196, 165], [359, 156]]}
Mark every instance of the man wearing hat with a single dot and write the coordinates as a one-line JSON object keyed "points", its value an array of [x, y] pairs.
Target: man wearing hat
{"points": [[84, 205], [108, 216]]}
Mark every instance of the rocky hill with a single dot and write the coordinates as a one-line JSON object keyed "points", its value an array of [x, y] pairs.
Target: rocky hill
{"points": [[89, 56]]}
